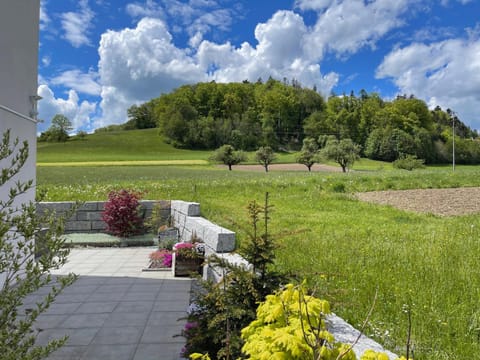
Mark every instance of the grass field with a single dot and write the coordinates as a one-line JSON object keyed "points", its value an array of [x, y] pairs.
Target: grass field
{"points": [[346, 248], [132, 145]]}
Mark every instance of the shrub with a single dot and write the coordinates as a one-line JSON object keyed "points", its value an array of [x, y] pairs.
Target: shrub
{"points": [[291, 325], [222, 309], [409, 162], [22, 271], [122, 213]]}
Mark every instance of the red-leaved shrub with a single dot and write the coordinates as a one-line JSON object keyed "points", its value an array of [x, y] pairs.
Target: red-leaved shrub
{"points": [[121, 213]]}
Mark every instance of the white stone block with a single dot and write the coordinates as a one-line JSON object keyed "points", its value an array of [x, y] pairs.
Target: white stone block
{"points": [[184, 207]]}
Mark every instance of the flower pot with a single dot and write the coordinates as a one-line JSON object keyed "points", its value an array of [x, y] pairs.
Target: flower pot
{"points": [[167, 236], [187, 266]]}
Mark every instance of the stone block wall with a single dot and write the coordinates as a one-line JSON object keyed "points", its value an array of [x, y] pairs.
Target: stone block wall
{"points": [[186, 217], [88, 217]]}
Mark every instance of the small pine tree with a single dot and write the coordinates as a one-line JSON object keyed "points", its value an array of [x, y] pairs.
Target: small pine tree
{"points": [[224, 308]]}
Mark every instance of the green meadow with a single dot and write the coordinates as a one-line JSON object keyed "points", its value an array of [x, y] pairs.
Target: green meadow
{"points": [[347, 249]]}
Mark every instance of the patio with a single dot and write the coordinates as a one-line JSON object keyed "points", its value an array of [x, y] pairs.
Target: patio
{"points": [[114, 310]]}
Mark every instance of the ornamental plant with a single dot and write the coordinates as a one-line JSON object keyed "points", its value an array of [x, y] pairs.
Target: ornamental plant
{"points": [[184, 250], [27, 255], [290, 325], [122, 213], [161, 258]]}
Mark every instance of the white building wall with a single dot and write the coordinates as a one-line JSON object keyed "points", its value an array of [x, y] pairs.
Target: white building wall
{"points": [[19, 26]]}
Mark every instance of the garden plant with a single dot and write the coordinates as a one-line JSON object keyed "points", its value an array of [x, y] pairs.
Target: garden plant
{"points": [[27, 255]]}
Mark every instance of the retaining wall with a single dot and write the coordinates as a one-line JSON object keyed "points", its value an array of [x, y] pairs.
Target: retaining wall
{"points": [[88, 217]]}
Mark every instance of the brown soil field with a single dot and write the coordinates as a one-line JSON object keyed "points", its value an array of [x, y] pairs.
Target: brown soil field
{"points": [[442, 202], [286, 167]]}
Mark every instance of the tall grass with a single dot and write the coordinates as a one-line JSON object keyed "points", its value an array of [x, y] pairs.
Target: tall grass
{"points": [[346, 248]]}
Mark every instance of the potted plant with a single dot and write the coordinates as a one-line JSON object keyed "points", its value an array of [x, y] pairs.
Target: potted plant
{"points": [[188, 258], [167, 234]]}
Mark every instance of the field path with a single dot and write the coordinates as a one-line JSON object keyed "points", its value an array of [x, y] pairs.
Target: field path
{"points": [[286, 167]]}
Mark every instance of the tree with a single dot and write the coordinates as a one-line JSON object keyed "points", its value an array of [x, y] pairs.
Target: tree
{"points": [[265, 156], [227, 155], [140, 117], [344, 152], [309, 153], [26, 257], [58, 130]]}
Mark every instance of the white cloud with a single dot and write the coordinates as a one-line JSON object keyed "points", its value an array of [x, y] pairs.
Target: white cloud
{"points": [[313, 4], [79, 113], [44, 18], [348, 25], [279, 54], [85, 83], [77, 25], [445, 73], [149, 9], [46, 60], [195, 17], [139, 64]]}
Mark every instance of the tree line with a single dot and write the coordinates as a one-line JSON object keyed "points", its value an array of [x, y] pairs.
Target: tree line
{"points": [[281, 114]]}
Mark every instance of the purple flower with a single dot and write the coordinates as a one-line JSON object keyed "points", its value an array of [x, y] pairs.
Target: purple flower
{"points": [[167, 260]]}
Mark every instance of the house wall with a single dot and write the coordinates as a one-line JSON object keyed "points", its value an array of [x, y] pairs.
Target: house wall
{"points": [[19, 25]]}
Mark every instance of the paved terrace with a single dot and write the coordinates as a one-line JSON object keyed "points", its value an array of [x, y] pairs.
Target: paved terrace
{"points": [[114, 310]]}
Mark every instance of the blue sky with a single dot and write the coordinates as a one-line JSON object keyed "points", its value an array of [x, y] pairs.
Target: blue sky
{"points": [[99, 57]]}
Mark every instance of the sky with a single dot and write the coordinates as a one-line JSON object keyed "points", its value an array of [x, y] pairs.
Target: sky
{"points": [[99, 57]]}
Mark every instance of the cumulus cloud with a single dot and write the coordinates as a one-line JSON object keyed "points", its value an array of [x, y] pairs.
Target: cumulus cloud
{"points": [[445, 73], [348, 25], [85, 83], [139, 64], [79, 113], [195, 17], [77, 25]]}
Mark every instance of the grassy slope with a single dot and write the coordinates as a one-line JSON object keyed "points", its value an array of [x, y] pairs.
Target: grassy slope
{"points": [[116, 146], [133, 145], [348, 248]]}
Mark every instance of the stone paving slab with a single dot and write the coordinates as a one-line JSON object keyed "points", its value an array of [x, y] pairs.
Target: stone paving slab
{"points": [[114, 310]]}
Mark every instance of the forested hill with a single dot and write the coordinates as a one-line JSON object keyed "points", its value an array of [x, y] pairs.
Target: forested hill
{"points": [[281, 114]]}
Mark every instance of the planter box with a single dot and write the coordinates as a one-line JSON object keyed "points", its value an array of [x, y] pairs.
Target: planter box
{"points": [[167, 236], [187, 267]]}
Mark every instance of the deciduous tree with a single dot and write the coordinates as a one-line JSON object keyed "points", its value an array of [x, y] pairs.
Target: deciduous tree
{"points": [[227, 155], [344, 152], [265, 156], [309, 153]]}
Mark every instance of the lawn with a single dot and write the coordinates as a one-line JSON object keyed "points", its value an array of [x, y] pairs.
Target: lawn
{"points": [[348, 249]]}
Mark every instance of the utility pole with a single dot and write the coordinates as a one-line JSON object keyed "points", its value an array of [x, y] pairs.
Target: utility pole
{"points": [[454, 116]]}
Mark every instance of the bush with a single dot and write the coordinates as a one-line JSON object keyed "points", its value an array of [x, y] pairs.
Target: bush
{"points": [[222, 309], [409, 162], [291, 325], [22, 271], [122, 213]]}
